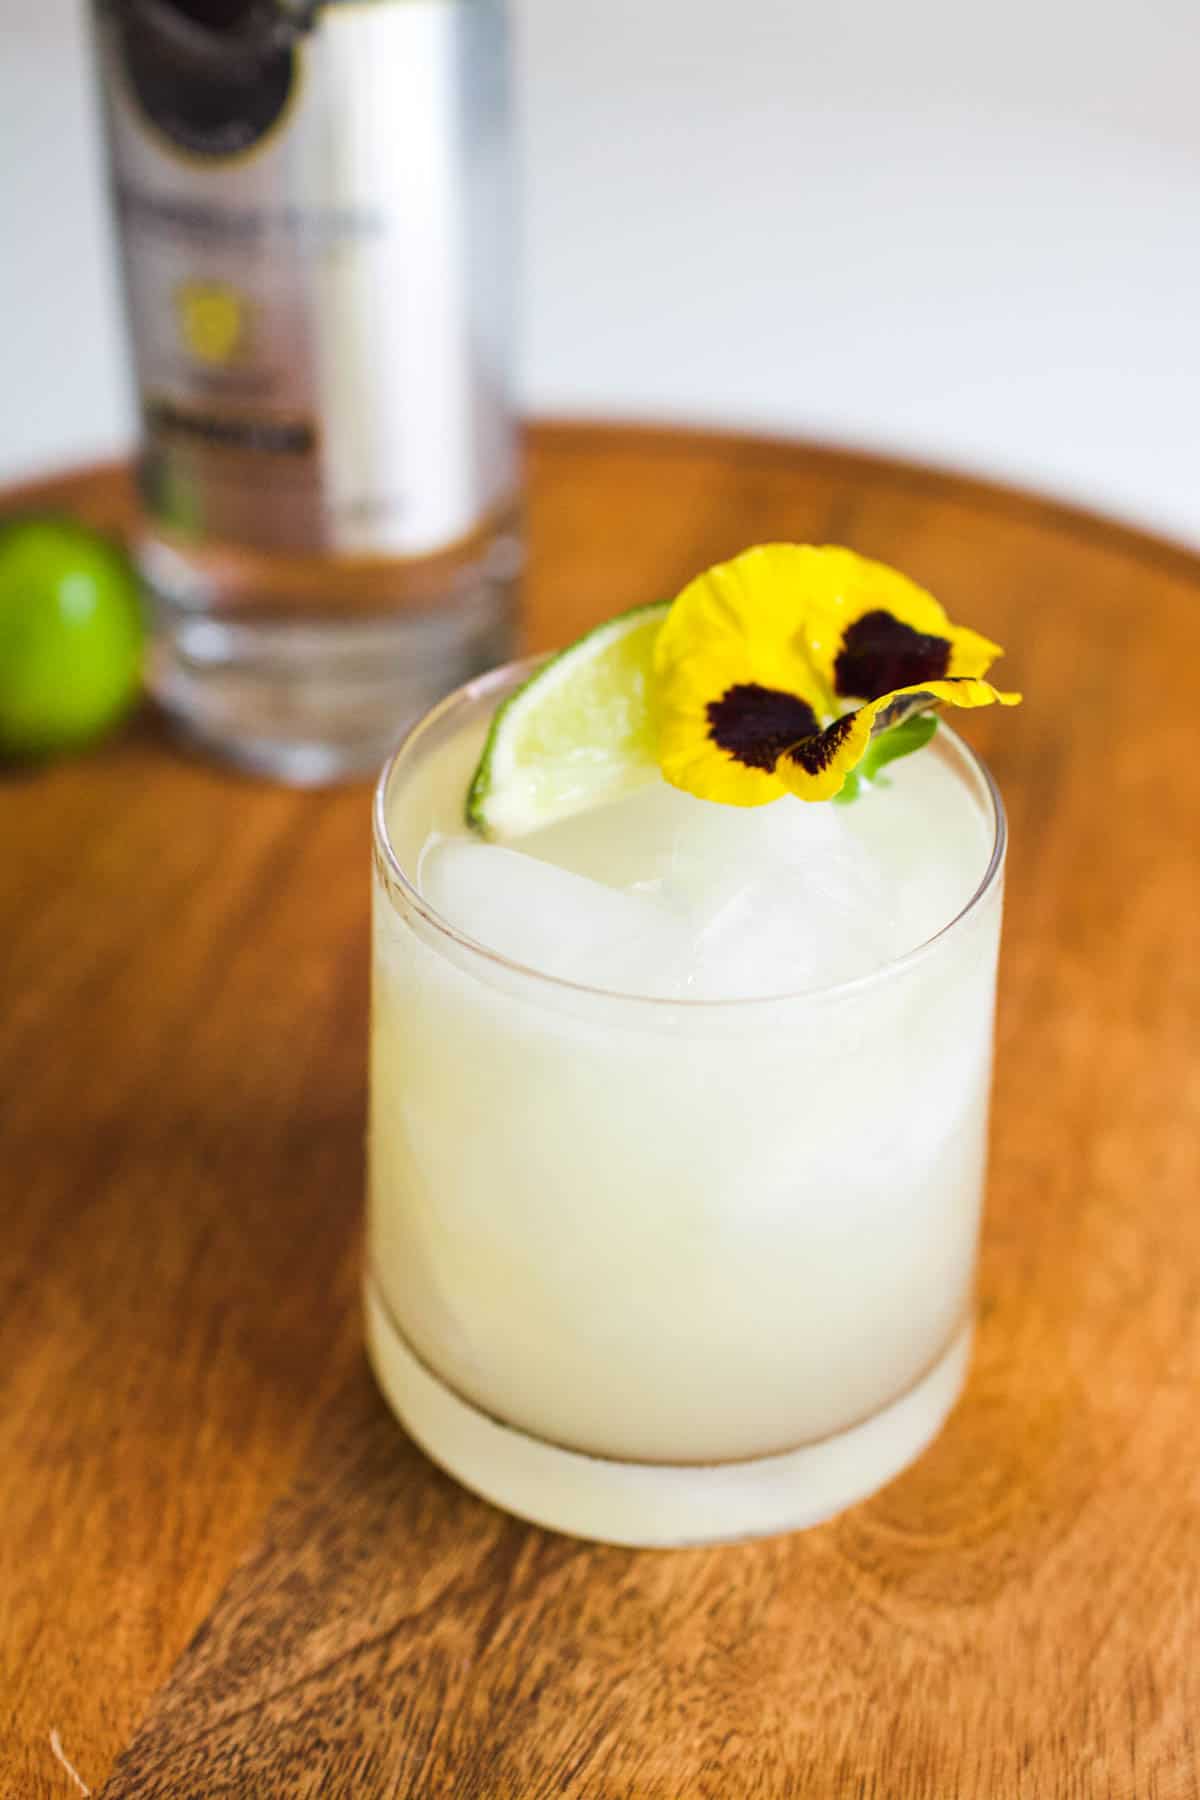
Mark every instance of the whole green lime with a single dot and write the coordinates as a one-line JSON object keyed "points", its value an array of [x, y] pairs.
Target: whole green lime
{"points": [[70, 636]]}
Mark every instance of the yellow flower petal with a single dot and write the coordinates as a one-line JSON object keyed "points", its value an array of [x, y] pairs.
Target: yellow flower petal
{"points": [[734, 686], [816, 767], [727, 748], [748, 614], [870, 630]]}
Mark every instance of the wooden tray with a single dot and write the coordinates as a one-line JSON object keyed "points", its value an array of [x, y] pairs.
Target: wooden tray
{"points": [[225, 1571]]}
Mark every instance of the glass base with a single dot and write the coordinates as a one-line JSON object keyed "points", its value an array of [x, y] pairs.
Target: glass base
{"points": [[658, 1505], [312, 699]]}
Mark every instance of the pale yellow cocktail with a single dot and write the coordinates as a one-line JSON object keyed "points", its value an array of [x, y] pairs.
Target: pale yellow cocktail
{"points": [[678, 1120]]}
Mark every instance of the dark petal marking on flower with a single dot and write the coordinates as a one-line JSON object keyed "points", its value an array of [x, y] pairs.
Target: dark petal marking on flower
{"points": [[756, 724], [815, 753], [880, 653]]}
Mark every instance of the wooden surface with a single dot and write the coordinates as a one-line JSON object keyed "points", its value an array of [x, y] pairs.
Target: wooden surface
{"points": [[224, 1571]]}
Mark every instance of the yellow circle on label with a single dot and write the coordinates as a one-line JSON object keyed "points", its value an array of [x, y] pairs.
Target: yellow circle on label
{"points": [[212, 319]]}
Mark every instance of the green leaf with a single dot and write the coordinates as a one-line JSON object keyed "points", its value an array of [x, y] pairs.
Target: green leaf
{"points": [[902, 740]]}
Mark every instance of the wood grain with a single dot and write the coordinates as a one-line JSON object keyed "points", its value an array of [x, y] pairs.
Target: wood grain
{"points": [[224, 1571]]}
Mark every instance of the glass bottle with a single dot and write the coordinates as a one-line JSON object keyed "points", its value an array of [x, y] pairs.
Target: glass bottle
{"points": [[314, 211]]}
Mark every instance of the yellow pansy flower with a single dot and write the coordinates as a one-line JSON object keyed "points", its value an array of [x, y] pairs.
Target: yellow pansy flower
{"points": [[759, 658]]}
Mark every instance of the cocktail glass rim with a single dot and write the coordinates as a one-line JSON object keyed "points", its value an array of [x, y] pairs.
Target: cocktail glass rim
{"points": [[509, 675]]}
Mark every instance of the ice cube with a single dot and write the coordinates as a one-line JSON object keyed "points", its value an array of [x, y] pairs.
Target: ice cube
{"points": [[551, 919], [669, 896], [658, 838], [787, 931], [777, 899], [933, 848], [768, 900]]}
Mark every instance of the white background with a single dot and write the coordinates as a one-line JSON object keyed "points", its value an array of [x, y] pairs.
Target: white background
{"points": [[964, 233]]}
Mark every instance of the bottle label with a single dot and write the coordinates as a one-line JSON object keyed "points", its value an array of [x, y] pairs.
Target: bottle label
{"points": [[313, 210]]}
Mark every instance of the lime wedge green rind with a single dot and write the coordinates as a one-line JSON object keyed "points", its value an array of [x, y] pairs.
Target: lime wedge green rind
{"points": [[579, 732]]}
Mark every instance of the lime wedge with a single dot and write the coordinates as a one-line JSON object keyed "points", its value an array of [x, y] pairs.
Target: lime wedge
{"points": [[580, 731]]}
